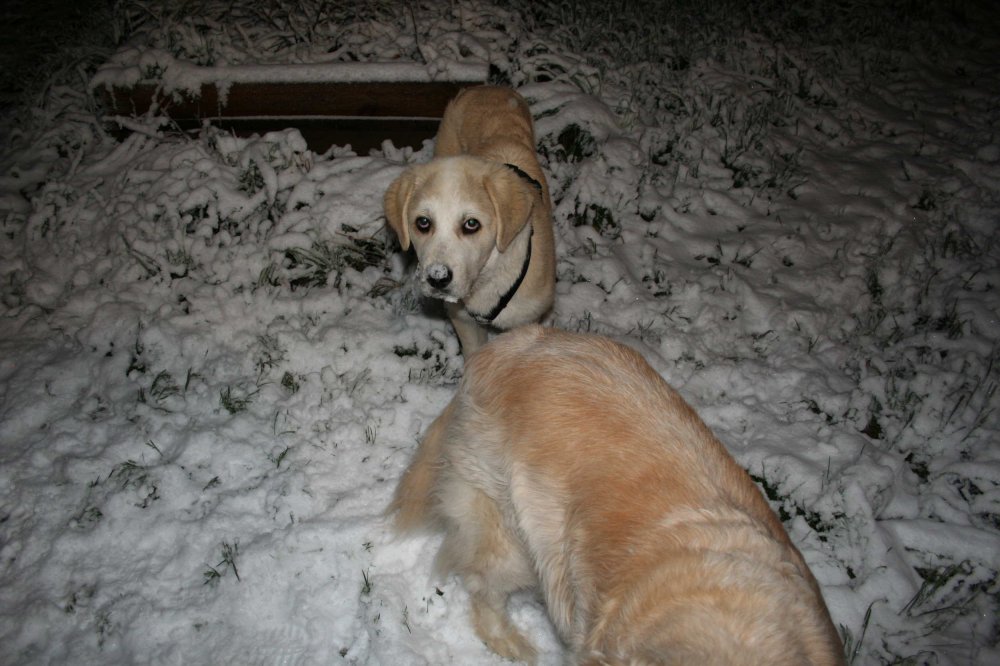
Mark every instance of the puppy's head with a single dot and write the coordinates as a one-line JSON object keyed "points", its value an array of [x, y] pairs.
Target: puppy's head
{"points": [[457, 212]]}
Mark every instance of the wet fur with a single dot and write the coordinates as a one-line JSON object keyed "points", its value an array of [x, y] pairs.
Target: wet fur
{"points": [[483, 129], [566, 463]]}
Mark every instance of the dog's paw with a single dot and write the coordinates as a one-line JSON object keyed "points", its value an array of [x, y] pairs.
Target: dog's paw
{"points": [[512, 645], [495, 629]]}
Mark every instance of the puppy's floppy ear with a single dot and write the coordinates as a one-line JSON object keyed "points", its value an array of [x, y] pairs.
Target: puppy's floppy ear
{"points": [[512, 199], [396, 202]]}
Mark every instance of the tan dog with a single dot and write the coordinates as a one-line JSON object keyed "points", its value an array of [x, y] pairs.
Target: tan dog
{"points": [[479, 216], [566, 463]]}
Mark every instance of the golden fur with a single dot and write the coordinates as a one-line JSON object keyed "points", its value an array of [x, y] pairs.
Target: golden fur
{"points": [[484, 130], [566, 463]]}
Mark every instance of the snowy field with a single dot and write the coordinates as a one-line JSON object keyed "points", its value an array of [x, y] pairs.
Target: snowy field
{"points": [[214, 365]]}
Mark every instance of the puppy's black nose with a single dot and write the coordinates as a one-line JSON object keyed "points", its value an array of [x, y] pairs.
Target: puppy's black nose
{"points": [[439, 276]]}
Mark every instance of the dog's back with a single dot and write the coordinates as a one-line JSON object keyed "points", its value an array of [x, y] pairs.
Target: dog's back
{"points": [[651, 545], [493, 123]]}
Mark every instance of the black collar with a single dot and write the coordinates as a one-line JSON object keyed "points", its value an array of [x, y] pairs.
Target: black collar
{"points": [[520, 172], [505, 299]]}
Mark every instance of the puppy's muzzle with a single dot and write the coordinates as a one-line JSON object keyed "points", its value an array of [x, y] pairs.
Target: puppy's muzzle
{"points": [[438, 276]]}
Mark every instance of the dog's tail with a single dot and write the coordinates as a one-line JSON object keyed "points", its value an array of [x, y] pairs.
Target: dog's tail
{"points": [[414, 499]]}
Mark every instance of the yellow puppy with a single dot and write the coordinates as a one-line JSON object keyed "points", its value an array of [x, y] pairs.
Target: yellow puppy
{"points": [[479, 216], [566, 463]]}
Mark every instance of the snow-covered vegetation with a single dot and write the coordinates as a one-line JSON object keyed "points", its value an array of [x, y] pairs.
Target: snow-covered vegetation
{"points": [[214, 366]]}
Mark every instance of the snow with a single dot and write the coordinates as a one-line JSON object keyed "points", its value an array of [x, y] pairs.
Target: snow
{"points": [[214, 365], [132, 67]]}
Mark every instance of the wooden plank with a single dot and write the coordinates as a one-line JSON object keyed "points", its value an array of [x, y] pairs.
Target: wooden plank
{"points": [[363, 134], [412, 100], [362, 114]]}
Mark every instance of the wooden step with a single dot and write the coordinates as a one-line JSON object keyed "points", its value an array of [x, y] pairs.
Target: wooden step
{"points": [[327, 111]]}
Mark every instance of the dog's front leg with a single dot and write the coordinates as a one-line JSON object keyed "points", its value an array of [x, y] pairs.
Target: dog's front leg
{"points": [[491, 561], [470, 333], [494, 628]]}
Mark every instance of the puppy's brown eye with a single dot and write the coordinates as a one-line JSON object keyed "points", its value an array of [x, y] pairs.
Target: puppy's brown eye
{"points": [[471, 226], [423, 224]]}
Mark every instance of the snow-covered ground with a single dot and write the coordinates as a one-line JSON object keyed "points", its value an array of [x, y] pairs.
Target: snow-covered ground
{"points": [[214, 367]]}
